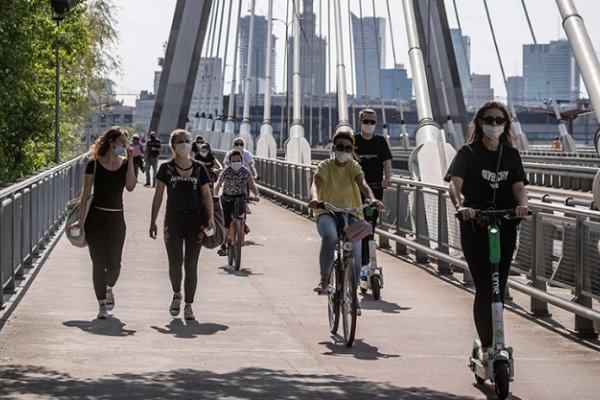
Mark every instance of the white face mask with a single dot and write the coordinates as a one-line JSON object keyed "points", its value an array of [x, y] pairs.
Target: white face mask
{"points": [[118, 150], [239, 148], [236, 166], [183, 149], [342, 156], [367, 128], [492, 131], [203, 153]]}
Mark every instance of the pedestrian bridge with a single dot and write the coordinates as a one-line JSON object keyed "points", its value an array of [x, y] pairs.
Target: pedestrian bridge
{"points": [[261, 332]]}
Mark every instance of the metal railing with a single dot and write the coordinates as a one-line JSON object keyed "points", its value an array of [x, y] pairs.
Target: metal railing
{"points": [[31, 211], [558, 244]]}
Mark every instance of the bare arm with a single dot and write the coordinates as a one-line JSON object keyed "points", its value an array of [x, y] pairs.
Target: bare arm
{"points": [[156, 202], [208, 204], [253, 188], [387, 173], [252, 170], [454, 190], [520, 195], [130, 180], [314, 191]]}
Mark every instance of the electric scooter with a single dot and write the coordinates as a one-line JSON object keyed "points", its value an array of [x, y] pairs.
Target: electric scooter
{"points": [[498, 363], [374, 281]]}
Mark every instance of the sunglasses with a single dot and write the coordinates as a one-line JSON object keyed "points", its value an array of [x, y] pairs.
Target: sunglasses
{"points": [[369, 121], [238, 144], [345, 149], [490, 120]]}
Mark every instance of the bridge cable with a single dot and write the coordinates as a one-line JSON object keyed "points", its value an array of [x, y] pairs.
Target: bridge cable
{"points": [[465, 55], [383, 116], [200, 106], [213, 63], [320, 97], [364, 61], [231, 111], [403, 132], [330, 68], [284, 85], [450, 124], [549, 86], [210, 57], [222, 86], [352, 70]]}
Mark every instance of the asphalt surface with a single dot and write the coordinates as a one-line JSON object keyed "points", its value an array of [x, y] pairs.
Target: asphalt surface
{"points": [[261, 333]]}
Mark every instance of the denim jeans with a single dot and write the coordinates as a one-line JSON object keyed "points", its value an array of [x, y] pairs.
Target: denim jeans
{"points": [[327, 228], [151, 162]]}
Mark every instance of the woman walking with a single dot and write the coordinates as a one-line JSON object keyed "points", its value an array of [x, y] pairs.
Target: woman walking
{"points": [[189, 213], [109, 172]]}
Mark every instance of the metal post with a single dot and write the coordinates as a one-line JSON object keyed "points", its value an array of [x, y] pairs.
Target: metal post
{"points": [[57, 100]]}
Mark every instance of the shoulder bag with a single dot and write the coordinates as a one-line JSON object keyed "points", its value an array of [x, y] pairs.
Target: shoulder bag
{"points": [[73, 208]]}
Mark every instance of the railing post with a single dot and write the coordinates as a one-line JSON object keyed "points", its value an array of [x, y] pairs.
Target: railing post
{"points": [[583, 326], [538, 308], [420, 224], [442, 266], [401, 249]]}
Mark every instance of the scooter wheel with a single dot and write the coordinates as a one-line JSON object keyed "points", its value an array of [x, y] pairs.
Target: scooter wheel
{"points": [[501, 379], [376, 287], [363, 290]]}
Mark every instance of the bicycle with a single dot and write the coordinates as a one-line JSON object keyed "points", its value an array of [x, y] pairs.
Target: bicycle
{"points": [[343, 277], [237, 232], [500, 370]]}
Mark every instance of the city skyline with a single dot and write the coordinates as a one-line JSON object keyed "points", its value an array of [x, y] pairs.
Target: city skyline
{"points": [[144, 30]]}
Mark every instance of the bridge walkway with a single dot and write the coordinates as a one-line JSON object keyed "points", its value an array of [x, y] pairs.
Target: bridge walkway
{"points": [[261, 333]]}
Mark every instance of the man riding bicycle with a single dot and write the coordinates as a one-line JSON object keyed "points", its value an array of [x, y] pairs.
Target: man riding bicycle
{"points": [[236, 180], [338, 181]]}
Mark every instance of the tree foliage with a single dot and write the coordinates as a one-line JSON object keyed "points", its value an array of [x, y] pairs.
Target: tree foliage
{"points": [[28, 41]]}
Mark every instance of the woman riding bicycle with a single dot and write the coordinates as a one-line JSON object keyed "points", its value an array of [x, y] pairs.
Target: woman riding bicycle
{"points": [[338, 181], [236, 181], [488, 172]]}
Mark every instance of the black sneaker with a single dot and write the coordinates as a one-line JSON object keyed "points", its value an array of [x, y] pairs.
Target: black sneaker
{"points": [[110, 300], [147, 184], [188, 314], [175, 306], [222, 250], [102, 312]]}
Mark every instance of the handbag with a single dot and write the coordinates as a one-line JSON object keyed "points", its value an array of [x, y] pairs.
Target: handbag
{"points": [[358, 230], [72, 212], [218, 236]]}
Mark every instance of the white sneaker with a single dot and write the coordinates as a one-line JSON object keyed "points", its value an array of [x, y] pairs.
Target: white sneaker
{"points": [[102, 312]]}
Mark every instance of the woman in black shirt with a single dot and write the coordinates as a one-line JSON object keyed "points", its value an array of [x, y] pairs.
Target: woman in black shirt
{"points": [[104, 226], [189, 213], [488, 173]]}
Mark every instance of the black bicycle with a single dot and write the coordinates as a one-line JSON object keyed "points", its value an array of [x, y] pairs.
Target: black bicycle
{"points": [[344, 298], [237, 232]]}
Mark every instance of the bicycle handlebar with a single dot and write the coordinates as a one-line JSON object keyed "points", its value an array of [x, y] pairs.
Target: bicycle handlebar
{"points": [[330, 207], [492, 215]]}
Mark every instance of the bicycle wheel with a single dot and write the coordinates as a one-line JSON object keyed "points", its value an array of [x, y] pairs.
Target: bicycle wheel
{"points": [[238, 245], [349, 302], [333, 306], [231, 247]]}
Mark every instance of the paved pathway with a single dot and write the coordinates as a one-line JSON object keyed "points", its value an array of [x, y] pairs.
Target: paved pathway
{"points": [[261, 333]]}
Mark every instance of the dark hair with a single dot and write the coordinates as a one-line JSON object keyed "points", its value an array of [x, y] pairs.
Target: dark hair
{"points": [[101, 146], [235, 153], [343, 134], [477, 131], [364, 111], [205, 146]]}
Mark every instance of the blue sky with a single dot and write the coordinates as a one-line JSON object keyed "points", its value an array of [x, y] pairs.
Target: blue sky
{"points": [[144, 27]]}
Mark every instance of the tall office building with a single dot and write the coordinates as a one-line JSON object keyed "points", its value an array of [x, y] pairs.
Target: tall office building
{"points": [[144, 105], [258, 68], [561, 67], [313, 54], [517, 87], [394, 77], [207, 87], [462, 53], [481, 91], [367, 33]]}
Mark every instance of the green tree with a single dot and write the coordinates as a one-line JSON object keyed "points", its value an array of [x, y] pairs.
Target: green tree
{"points": [[28, 39]]}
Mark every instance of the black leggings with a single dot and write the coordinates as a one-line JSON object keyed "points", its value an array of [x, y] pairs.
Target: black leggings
{"points": [[183, 229], [373, 220], [105, 235], [474, 241]]}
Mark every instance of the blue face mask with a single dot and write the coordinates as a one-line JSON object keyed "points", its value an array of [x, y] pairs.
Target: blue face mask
{"points": [[118, 150], [236, 166]]}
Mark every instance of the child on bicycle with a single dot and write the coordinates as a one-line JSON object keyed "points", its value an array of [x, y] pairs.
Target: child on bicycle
{"points": [[236, 181], [338, 181]]}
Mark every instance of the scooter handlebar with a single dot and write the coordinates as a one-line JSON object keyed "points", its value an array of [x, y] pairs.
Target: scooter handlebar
{"points": [[492, 215]]}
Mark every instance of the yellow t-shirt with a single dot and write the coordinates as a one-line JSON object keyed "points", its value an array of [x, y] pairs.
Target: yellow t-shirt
{"points": [[339, 187]]}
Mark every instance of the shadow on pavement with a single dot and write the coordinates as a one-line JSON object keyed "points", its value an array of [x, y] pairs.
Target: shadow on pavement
{"points": [[241, 272], [189, 329], [367, 303], [248, 383], [108, 327], [359, 350]]}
